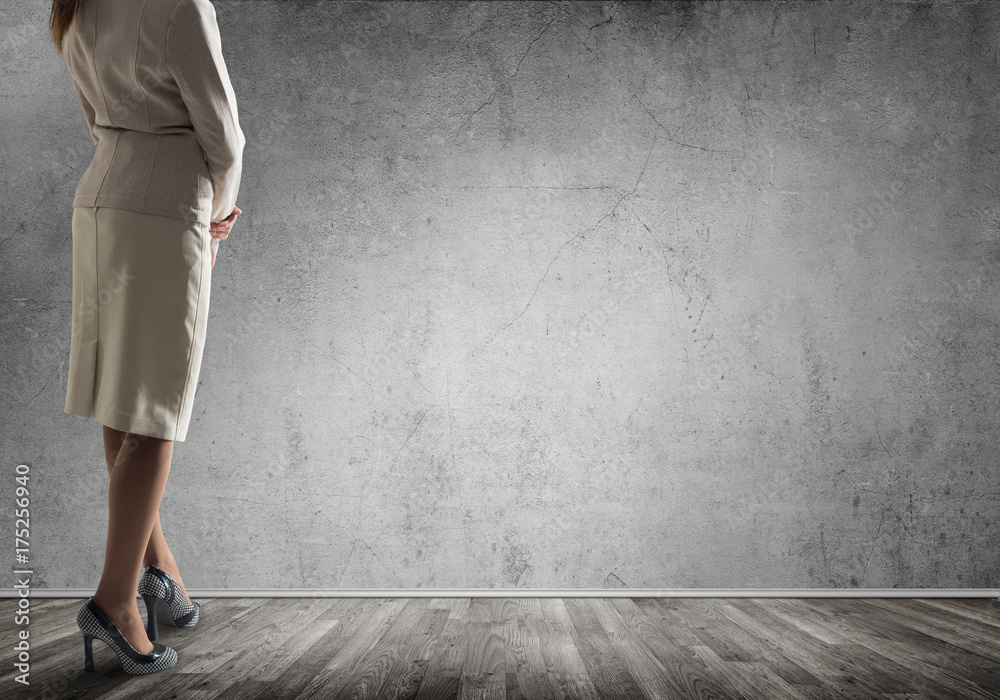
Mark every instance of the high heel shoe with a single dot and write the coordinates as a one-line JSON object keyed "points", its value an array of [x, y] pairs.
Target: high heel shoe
{"points": [[165, 602], [94, 622]]}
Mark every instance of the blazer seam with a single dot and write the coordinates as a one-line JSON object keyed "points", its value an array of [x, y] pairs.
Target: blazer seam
{"points": [[149, 125], [97, 75], [111, 162], [135, 69], [170, 23], [152, 168]]}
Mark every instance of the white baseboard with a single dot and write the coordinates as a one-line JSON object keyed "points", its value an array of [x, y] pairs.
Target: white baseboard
{"points": [[549, 593]]}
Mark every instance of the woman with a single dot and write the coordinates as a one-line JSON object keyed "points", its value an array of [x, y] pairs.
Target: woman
{"points": [[148, 215]]}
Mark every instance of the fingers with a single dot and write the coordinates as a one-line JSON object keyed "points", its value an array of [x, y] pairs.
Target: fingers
{"points": [[221, 229]]}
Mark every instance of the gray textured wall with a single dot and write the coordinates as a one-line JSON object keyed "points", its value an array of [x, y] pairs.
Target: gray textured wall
{"points": [[556, 295]]}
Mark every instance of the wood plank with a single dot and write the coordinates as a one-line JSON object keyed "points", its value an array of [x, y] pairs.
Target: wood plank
{"points": [[278, 645], [300, 673], [524, 664], [794, 674], [681, 625], [483, 675], [937, 667], [689, 670], [404, 678], [744, 679], [368, 629], [833, 664], [956, 631], [444, 668], [606, 668], [666, 674], [792, 611], [984, 611], [568, 677]]}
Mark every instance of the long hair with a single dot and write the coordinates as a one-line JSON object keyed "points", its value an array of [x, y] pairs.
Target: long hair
{"points": [[62, 15]]}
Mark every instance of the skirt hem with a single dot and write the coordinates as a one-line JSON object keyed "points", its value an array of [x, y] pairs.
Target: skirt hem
{"points": [[136, 425]]}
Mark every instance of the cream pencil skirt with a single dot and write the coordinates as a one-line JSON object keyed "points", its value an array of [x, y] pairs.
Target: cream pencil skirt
{"points": [[141, 286]]}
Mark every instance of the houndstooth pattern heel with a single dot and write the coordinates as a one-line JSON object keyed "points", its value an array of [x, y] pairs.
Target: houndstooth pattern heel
{"points": [[165, 602], [95, 623]]}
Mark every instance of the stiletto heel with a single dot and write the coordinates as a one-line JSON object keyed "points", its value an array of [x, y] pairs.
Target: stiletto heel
{"points": [[165, 602], [88, 652], [94, 622], [152, 603]]}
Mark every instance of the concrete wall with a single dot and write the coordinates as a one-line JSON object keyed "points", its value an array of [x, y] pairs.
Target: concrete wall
{"points": [[548, 295]]}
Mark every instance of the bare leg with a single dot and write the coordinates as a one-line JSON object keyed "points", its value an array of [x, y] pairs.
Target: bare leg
{"points": [[157, 551], [138, 477]]}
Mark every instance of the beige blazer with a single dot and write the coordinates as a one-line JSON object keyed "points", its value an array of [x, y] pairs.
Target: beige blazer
{"points": [[161, 110]]}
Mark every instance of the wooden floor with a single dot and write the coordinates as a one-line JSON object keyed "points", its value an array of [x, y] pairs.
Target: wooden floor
{"points": [[629, 648]]}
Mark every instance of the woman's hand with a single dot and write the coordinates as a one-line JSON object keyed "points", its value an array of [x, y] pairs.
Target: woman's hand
{"points": [[220, 231]]}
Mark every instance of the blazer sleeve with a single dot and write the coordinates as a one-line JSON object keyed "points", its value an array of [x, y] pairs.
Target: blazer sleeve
{"points": [[194, 59], [88, 112]]}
